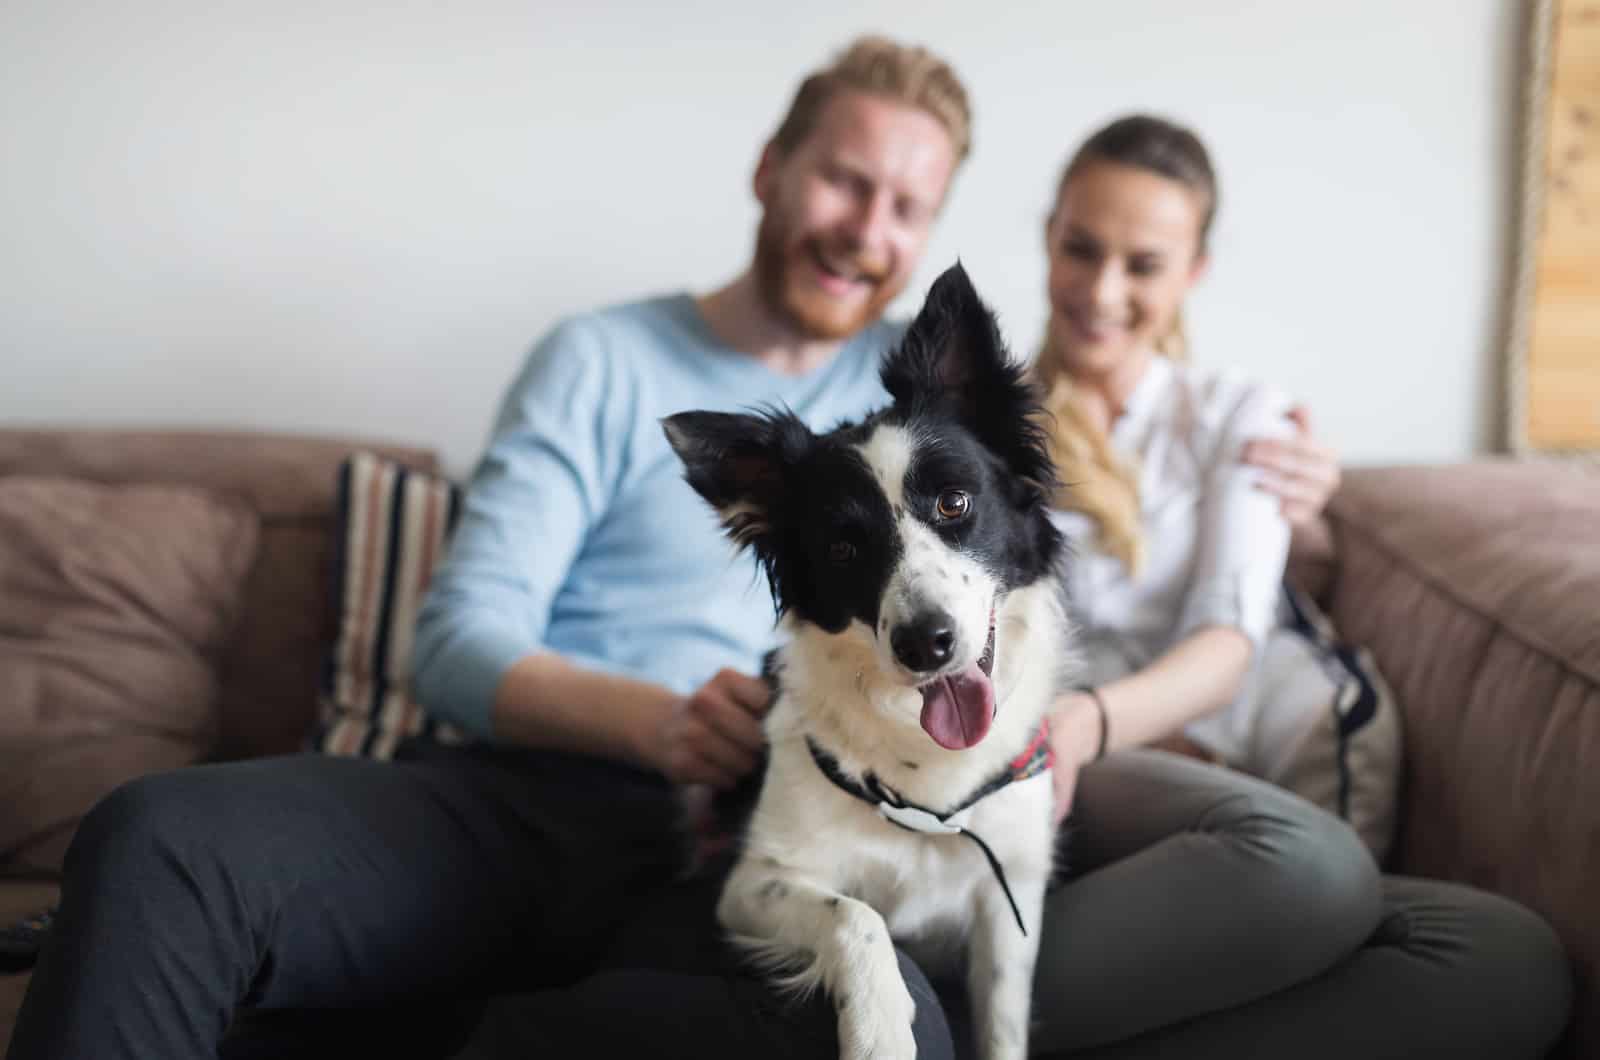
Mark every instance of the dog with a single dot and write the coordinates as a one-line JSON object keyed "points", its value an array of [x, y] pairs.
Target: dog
{"points": [[914, 569]]}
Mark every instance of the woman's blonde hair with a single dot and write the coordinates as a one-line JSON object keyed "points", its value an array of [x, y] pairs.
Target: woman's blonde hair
{"points": [[1094, 479]]}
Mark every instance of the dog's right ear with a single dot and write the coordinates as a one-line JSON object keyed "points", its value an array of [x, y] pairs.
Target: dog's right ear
{"points": [[953, 353], [739, 464]]}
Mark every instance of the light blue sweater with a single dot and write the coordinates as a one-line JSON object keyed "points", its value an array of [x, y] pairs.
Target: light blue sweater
{"points": [[578, 534]]}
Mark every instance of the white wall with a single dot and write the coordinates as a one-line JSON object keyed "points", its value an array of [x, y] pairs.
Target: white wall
{"points": [[355, 216]]}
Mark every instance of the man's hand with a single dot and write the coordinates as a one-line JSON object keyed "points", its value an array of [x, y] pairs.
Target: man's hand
{"points": [[713, 736], [1301, 471]]}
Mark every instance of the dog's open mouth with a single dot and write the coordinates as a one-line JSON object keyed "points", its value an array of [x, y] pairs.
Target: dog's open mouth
{"points": [[958, 708]]}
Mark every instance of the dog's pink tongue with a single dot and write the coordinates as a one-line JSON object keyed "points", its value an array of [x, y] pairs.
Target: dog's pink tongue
{"points": [[957, 710]]}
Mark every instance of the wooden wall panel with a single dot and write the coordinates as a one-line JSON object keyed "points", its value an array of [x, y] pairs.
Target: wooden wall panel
{"points": [[1562, 394]]}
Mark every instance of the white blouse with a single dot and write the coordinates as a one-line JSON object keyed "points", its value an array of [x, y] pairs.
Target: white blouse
{"points": [[1214, 543]]}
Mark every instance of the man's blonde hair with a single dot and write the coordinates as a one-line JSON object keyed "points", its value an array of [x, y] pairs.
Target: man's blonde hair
{"points": [[881, 67]]}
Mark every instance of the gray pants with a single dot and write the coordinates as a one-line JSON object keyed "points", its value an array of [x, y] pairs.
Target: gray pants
{"points": [[354, 903], [1210, 914]]}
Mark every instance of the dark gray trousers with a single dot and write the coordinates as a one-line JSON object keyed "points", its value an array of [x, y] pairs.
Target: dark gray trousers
{"points": [[1211, 914], [367, 908], [372, 906]]}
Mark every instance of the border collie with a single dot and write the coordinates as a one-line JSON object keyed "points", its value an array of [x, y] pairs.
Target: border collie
{"points": [[907, 794]]}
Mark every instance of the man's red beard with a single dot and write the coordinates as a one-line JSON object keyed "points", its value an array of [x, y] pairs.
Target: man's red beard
{"points": [[805, 308]]}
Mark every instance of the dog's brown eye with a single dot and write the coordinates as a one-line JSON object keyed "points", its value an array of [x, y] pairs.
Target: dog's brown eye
{"points": [[953, 504], [841, 552]]}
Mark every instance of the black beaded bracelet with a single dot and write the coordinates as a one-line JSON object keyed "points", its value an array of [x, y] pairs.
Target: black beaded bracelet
{"points": [[1105, 718]]}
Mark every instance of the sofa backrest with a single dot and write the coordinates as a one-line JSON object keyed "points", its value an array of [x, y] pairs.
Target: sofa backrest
{"points": [[270, 670]]}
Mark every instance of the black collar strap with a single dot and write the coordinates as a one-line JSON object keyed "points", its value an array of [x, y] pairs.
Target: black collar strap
{"points": [[1034, 759]]}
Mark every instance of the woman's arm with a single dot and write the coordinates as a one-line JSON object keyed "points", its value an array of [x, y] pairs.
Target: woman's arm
{"points": [[1197, 675], [1240, 542]]}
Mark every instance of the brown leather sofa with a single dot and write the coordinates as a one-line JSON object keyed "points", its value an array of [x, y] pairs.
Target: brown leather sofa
{"points": [[1477, 586], [267, 694]]}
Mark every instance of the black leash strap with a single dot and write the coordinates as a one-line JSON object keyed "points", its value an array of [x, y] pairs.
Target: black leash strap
{"points": [[914, 818]]}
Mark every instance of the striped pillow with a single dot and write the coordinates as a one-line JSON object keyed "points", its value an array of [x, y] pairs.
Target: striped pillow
{"points": [[392, 526]]}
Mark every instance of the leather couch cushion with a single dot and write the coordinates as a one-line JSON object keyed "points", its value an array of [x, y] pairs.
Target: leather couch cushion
{"points": [[115, 604]]}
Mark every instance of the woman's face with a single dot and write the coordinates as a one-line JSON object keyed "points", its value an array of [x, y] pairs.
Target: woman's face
{"points": [[1124, 246]]}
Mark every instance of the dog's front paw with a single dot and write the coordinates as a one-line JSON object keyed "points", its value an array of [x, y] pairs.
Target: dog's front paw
{"points": [[876, 1025]]}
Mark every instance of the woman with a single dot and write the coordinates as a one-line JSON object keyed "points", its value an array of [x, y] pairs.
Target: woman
{"points": [[1206, 913]]}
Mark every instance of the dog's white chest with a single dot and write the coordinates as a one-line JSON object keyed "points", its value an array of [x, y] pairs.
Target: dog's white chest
{"points": [[926, 894]]}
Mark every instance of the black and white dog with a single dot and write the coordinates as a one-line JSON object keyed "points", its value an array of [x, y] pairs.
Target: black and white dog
{"points": [[907, 794]]}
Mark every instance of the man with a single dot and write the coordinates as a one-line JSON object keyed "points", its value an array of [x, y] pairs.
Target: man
{"points": [[590, 630]]}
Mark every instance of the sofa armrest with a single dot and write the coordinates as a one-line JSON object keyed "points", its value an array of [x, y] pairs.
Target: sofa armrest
{"points": [[1477, 588]]}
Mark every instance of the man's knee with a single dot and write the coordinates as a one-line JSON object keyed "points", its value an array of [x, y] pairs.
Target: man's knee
{"points": [[137, 828]]}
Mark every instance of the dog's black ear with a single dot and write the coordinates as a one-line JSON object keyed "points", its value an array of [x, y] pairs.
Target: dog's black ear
{"points": [[951, 344], [738, 463], [952, 355]]}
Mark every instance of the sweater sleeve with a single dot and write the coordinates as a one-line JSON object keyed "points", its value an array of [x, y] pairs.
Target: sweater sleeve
{"points": [[1243, 538], [547, 475]]}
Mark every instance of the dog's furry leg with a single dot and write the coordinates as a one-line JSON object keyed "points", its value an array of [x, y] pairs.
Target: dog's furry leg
{"points": [[817, 937], [1000, 968]]}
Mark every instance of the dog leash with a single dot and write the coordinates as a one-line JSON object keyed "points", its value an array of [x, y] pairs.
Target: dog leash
{"points": [[1037, 757]]}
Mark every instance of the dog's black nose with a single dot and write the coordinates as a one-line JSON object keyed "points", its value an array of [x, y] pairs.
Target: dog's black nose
{"points": [[925, 643]]}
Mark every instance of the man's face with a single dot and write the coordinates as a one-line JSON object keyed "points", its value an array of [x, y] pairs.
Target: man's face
{"points": [[847, 212]]}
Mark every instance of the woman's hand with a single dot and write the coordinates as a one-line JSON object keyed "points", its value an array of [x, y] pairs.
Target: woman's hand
{"points": [[1300, 471], [1074, 737], [713, 735]]}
